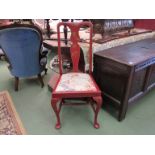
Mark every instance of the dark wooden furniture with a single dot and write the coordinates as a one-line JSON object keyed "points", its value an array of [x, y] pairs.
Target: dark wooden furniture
{"points": [[111, 26], [125, 73], [48, 27], [112, 29]]}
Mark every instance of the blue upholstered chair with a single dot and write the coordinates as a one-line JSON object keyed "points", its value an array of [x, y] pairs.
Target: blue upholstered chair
{"points": [[22, 45]]}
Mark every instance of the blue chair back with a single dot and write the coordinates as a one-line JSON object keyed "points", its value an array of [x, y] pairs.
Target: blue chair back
{"points": [[21, 44]]}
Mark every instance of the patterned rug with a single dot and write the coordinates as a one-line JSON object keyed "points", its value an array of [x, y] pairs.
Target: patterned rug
{"points": [[10, 123]]}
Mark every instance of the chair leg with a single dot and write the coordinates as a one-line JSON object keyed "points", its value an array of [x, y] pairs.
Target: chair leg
{"points": [[16, 83], [41, 80], [60, 105], [54, 102], [46, 71], [98, 101]]}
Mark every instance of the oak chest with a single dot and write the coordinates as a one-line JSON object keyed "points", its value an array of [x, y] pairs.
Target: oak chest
{"points": [[125, 73]]}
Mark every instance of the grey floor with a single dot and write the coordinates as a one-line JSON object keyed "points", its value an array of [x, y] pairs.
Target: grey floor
{"points": [[33, 106]]}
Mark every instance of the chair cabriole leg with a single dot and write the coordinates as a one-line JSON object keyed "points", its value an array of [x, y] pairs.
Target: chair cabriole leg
{"points": [[46, 71], [98, 101], [54, 102]]}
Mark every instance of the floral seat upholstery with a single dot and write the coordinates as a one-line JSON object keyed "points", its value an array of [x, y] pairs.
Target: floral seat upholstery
{"points": [[76, 82]]}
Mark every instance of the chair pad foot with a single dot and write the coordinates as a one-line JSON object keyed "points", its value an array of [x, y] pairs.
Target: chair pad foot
{"points": [[57, 126], [97, 125]]}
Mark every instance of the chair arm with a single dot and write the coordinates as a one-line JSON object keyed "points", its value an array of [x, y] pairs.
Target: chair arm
{"points": [[44, 51], [43, 56]]}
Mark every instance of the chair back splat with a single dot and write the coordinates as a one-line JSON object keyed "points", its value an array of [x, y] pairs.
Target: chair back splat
{"points": [[75, 47]]}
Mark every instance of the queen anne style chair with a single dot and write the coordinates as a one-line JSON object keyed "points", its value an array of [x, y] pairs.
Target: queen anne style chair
{"points": [[76, 85], [22, 46]]}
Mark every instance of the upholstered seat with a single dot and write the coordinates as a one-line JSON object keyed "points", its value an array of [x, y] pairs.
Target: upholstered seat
{"points": [[76, 82]]}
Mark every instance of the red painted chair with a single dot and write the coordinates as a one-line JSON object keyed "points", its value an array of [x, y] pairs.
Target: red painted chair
{"points": [[76, 84]]}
